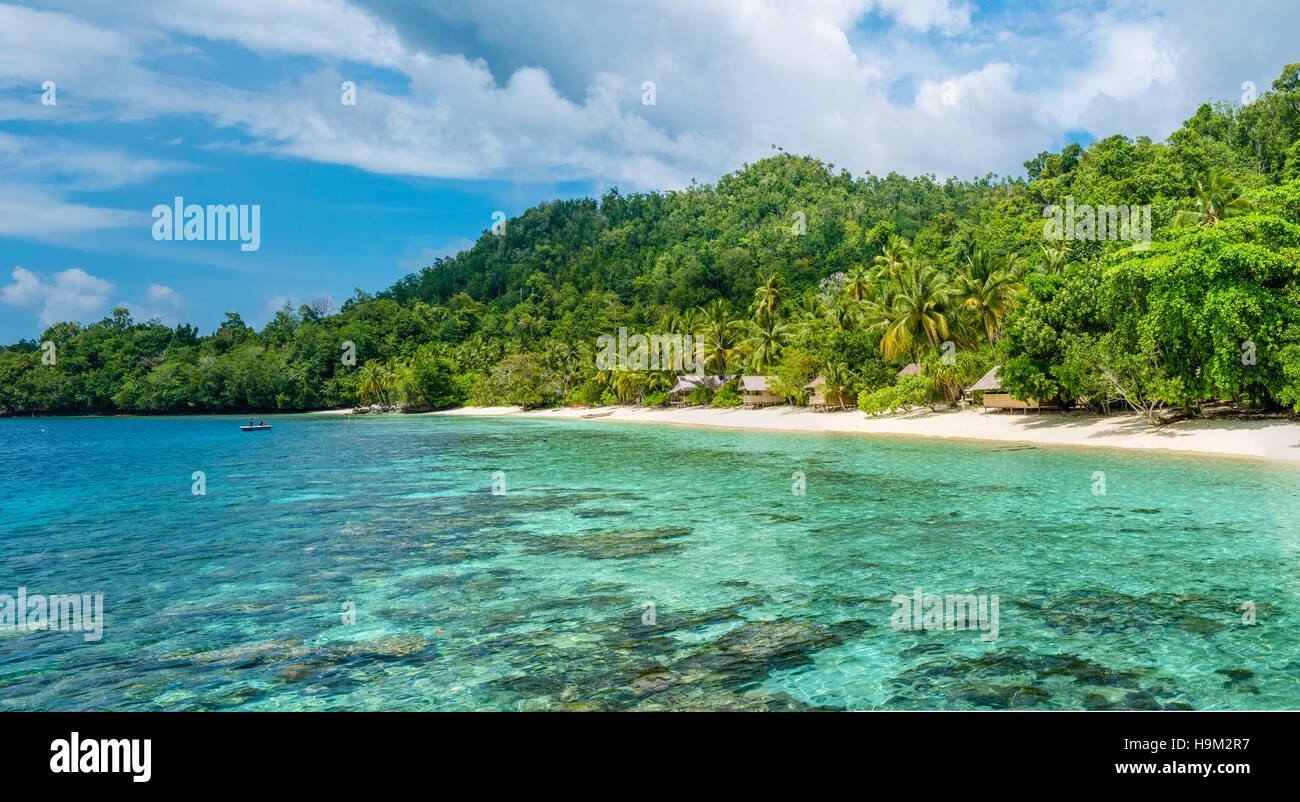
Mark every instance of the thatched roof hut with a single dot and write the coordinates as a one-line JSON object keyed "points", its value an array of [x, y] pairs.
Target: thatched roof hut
{"points": [[995, 398], [989, 381], [689, 381], [756, 392], [820, 399], [911, 369]]}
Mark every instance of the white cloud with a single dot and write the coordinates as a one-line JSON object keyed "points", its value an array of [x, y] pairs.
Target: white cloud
{"points": [[926, 14], [37, 213], [39, 172], [72, 294], [159, 294], [499, 89], [161, 303]]}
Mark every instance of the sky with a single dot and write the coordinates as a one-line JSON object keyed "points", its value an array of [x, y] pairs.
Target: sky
{"points": [[374, 136]]}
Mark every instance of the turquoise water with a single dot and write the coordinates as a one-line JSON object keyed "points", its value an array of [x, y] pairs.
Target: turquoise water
{"points": [[535, 599]]}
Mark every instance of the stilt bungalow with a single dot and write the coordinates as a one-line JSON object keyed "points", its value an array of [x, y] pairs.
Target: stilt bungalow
{"points": [[756, 392]]}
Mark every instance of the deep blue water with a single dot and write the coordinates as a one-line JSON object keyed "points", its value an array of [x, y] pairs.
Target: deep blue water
{"points": [[536, 598]]}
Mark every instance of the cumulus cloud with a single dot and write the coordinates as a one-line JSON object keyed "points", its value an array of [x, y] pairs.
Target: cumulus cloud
{"points": [[499, 89], [70, 294], [161, 303], [159, 294]]}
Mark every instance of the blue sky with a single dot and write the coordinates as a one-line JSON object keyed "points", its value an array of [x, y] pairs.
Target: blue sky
{"points": [[466, 108]]}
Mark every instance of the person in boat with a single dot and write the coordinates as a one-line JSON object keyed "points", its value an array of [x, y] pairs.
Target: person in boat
{"points": [[250, 421], [261, 423]]}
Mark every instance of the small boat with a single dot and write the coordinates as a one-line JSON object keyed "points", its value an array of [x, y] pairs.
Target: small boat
{"points": [[256, 428]]}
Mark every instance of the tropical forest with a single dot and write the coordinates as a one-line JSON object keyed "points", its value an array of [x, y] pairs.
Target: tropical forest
{"points": [[790, 268]]}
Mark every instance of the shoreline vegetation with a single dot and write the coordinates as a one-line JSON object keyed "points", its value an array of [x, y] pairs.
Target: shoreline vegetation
{"points": [[1130, 277], [1237, 438]]}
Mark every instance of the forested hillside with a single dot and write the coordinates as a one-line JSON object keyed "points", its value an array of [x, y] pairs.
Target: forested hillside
{"points": [[793, 268]]}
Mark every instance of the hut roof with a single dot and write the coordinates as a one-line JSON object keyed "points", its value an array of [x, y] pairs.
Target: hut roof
{"points": [[686, 383], [689, 381], [754, 384], [819, 380], [989, 381], [911, 369]]}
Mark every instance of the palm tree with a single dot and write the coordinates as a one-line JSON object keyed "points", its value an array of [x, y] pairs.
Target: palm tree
{"points": [[921, 312], [876, 313], [987, 290], [1217, 198], [376, 383], [1054, 254], [837, 382], [766, 337], [768, 296], [659, 380], [857, 283], [629, 384], [563, 360], [806, 311], [687, 322], [844, 313], [894, 257], [721, 336]]}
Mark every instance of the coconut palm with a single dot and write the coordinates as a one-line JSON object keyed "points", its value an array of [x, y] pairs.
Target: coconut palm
{"points": [[768, 296], [766, 336], [987, 290], [921, 312], [1219, 197], [687, 322], [857, 283], [807, 311], [837, 383], [629, 384], [877, 311], [894, 257], [376, 382], [843, 313], [563, 360], [658, 380], [1054, 254], [722, 338]]}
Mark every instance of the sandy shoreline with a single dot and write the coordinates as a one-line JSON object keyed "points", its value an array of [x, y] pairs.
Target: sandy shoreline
{"points": [[1252, 439]]}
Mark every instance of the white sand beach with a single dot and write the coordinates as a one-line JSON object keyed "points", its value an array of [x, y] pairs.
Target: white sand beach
{"points": [[1254, 439]]}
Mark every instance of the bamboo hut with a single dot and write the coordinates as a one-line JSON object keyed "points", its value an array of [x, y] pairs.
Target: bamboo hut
{"points": [[687, 382], [756, 393], [994, 398], [821, 401]]}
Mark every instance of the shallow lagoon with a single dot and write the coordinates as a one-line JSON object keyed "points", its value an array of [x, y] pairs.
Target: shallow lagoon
{"points": [[537, 599]]}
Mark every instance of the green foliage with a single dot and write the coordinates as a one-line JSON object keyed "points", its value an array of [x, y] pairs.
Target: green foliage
{"points": [[586, 394], [879, 271], [796, 368], [728, 395], [700, 395], [432, 383], [909, 393]]}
